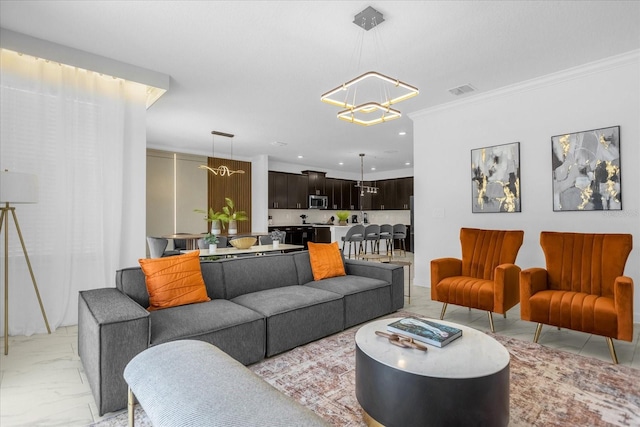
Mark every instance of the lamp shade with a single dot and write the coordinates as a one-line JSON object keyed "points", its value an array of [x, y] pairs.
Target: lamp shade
{"points": [[18, 187]]}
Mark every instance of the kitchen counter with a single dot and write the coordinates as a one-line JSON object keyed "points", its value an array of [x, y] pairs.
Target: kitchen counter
{"points": [[300, 234]]}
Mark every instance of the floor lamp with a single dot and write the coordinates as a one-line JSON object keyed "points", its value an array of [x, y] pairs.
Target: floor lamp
{"points": [[16, 188]]}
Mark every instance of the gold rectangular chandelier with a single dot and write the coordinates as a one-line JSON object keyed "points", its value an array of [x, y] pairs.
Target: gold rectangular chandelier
{"points": [[371, 84]]}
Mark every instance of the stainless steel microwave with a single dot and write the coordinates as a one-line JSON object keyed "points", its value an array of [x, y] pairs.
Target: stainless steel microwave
{"points": [[318, 202]]}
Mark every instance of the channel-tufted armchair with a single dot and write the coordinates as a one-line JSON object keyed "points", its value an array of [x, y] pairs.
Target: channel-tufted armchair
{"points": [[583, 287], [486, 277]]}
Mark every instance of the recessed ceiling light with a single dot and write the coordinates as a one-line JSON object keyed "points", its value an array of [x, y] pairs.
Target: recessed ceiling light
{"points": [[373, 169], [402, 133], [279, 143], [341, 163], [407, 164], [300, 157]]}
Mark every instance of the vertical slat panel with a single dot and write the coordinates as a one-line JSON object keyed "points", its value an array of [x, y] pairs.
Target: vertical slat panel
{"points": [[237, 187]]}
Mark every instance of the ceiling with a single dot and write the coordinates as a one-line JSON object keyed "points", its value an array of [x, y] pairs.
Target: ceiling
{"points": [[257, 68]]}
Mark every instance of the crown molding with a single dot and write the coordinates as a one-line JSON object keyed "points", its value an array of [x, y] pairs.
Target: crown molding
{"points": [[617, 61]]}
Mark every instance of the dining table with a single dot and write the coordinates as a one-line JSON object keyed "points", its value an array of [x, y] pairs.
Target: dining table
{"points": [[257, 250], [191, 239]]}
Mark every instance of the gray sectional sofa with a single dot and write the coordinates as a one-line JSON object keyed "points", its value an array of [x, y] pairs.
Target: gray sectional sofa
{"points": [[260, 306]]}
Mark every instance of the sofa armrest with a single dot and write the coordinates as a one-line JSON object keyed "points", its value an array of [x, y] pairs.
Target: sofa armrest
{"points": [[112, 329], [393, 274], [532, 280], [442, 268], [506, 292], [623, 299]]}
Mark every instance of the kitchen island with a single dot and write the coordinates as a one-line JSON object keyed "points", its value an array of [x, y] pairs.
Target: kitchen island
{"points": [[322, 233]]}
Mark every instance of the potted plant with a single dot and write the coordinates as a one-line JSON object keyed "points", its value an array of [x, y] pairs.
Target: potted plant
{"points": [[231, 216], [277, 236], [342, 217], [212, 240], [214, 218]]}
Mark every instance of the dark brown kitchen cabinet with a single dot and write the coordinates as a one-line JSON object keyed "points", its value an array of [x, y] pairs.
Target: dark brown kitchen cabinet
{"points": [[297, 191], [404, 191], [278, 190], [316, 182], [333, 190]]}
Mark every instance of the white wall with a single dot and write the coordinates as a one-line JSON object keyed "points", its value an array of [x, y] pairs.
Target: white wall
{"points": [[597, 95], [259, 193]]}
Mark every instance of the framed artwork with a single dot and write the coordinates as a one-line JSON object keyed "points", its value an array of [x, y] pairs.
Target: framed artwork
{"points": [[586, 170], [495, 178]]}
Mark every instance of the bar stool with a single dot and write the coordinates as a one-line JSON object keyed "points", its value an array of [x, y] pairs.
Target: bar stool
{"points": [[354, 235], [372, 235], [386, 234], [400, 234]]}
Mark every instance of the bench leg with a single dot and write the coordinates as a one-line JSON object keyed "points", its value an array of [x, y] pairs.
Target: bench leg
{"points": [[130, 406]]}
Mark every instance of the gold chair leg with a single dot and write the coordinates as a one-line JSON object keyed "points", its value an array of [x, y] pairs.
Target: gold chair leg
{"points": [[444, 308], [612, 350], [536, 336], [130, 407], [493, 329]]}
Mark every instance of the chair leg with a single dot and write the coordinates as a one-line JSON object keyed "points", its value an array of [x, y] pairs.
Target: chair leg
{"points": [[612, 350], [444, 308], [131, 401], [505, 315], [493, 329], [536, 336]]}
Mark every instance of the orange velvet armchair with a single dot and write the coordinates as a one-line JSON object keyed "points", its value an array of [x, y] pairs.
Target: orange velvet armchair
{"points": [[485, 278], [583, 287]]}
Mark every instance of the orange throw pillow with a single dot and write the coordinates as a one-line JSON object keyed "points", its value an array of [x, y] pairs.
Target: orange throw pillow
{"points": [[326, 260], [174, 280]]}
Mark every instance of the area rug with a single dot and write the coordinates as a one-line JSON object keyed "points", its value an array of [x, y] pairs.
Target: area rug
{"points": [[548, 387]]}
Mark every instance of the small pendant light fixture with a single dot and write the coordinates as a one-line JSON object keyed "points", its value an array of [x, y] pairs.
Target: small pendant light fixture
{"points": [[221, 170]]}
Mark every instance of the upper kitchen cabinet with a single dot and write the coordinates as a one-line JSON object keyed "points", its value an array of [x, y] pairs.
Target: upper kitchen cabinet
{"points": [[297, 191], [333, 190], [288, 191], [316, 182], [404, 191], [278, 192]]}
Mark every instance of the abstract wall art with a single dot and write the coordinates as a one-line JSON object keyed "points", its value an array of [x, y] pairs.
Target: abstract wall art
{"points": [[586, 170], [495, 178]]}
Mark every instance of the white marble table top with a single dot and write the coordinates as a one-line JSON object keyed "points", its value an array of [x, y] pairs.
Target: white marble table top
{"points": [[252, 250], [473, 355]]}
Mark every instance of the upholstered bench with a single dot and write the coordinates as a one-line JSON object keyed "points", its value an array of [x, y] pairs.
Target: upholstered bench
{"points": [[193, 383]]}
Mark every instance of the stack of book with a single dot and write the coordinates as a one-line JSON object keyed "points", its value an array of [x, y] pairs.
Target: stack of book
{"points": [[426, 331]]}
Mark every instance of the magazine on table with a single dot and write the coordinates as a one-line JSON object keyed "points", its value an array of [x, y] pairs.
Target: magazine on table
{"points": [[429, 332]]}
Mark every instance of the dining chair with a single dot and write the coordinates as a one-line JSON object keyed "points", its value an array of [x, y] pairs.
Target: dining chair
{"points": [[158, 246]]}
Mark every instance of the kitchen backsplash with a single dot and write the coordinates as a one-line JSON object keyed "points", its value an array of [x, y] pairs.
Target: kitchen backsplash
{"points": [[292, 216]]}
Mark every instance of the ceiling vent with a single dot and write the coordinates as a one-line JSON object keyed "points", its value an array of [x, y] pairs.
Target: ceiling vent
{"points": [[461, 90]]}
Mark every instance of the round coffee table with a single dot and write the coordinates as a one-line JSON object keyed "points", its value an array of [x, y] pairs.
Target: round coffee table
{"points": [[464, 383]]}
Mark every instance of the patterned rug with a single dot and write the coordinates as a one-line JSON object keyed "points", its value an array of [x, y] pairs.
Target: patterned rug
{"points": [[548, 387]]}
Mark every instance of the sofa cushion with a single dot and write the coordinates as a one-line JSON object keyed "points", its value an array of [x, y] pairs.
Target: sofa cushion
{"points": [[237, 330], [174, 281], [326, 260], [295, 315], [364, 298], [568, 309], [254, 274], [466, 291]]}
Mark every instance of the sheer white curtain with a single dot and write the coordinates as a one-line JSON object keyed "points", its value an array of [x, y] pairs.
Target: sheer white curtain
{"points": [[80, 133]]}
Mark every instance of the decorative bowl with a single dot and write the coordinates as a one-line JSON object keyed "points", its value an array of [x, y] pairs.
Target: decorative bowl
{"points": [[243, 242]]}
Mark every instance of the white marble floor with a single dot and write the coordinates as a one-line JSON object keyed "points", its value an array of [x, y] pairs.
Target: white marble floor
{"points": [[42, 382]]}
